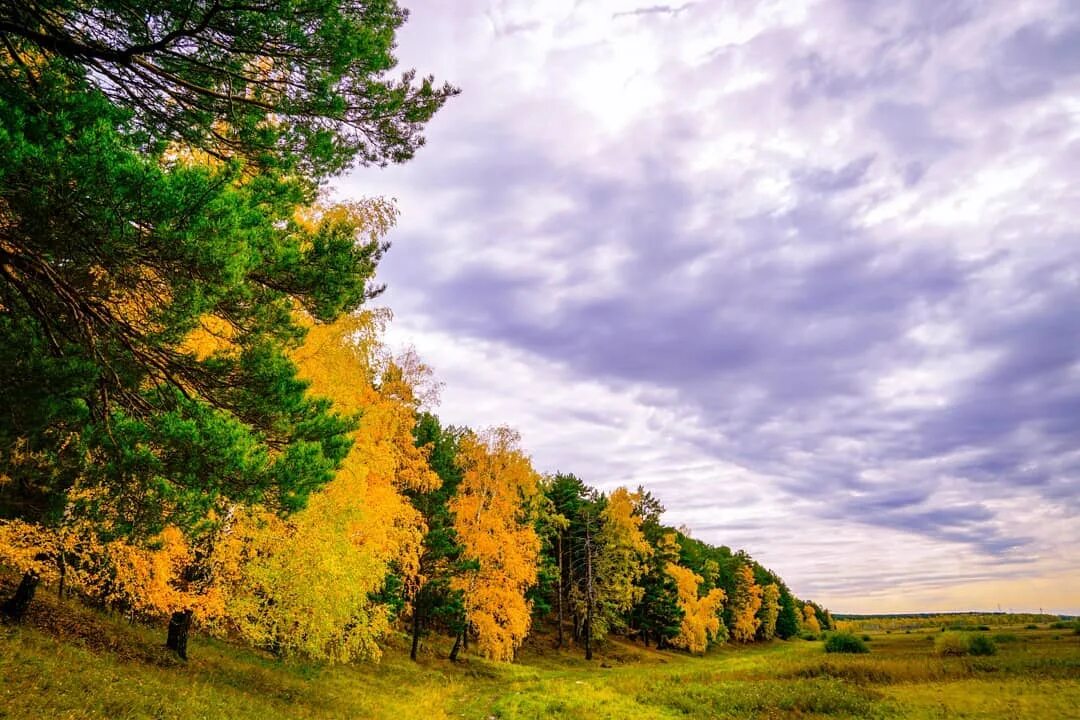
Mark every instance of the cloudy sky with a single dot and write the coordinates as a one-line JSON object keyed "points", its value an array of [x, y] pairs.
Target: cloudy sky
{"points": [[809, 270]]}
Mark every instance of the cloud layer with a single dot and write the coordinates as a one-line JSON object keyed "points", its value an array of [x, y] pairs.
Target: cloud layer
{"points": [[809, 269]]}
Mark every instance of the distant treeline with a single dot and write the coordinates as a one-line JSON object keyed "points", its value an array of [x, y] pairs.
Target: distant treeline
{"points": [[949, 620]]}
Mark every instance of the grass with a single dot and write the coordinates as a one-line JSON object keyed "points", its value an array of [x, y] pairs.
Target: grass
{"points": [[70, 662]]}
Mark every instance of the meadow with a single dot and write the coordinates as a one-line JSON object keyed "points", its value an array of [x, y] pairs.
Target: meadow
{"points": [[67, 661]]}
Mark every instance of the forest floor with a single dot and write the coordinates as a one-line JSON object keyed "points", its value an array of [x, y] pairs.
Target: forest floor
{"points": [[66, 661]]}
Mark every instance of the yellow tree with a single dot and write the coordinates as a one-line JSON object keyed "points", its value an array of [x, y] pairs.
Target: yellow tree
{"points": [[810, 621], [745, 603], [493, 520], [701, 615], [310, 585], [770, 611]]}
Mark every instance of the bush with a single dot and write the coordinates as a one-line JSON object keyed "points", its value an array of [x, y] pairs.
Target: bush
{"points": [[807, 635], [866, 638], [984, 628], [1005, 638], [952, 643], [1065, 625], [981, 645], [1031, 627], [845, 643]]}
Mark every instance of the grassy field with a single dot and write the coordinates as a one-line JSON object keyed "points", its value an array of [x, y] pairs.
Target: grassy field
{"points": [[69, 662]]}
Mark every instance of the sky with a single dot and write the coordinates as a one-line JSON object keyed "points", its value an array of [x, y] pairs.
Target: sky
{"points": [[807, 270]]}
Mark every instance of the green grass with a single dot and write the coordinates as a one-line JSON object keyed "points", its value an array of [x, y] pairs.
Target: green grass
{"points": [[70, 662]]}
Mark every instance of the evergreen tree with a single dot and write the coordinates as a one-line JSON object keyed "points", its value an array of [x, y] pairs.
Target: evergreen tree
{"points": [[658, 615], [788, 622], [435, 602]]}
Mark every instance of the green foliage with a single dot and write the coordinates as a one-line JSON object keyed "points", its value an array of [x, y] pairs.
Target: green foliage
{"points": [[787, 622], [982, 645], [841, 642], [301, 86], [113, 258], [435, 604]]}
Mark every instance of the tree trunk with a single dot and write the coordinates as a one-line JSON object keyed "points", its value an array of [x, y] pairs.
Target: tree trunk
{"points": [[415, 633], [457, 647], [588, 593], [179, 625], [15, 607], [62, 562], [558, 540]]}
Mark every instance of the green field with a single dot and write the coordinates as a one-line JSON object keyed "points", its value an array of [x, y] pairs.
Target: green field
{"points": [[69, 662]]}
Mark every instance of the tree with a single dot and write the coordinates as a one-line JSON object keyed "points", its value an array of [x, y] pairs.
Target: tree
{"points": [[493, 521], [810, 621], [701, 614], [788, 622], [435, 601], [658, 615], [109, 261], [314, 584], [619, 562], [302, 84], [155, 155], [569, 499], [769, 612], [745, 603]]}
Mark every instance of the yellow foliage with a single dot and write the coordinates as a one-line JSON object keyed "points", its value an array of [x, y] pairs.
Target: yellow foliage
{"points": [[810, 621], [145, 580], [701, 615], [493, 523], [306, 584], [770, 610], [746, 602], [28, 547], [214, 336]]}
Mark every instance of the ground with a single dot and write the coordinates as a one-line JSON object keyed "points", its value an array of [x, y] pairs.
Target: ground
{"points": [[70, 662]]}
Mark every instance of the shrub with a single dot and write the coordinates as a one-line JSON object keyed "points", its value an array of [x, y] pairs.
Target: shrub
{"points": [[952, 643], [984, 628], [866, 638], [1031, 627], [807, 635], [845, 643], [1005, 638], [1065, 625], [981, 645]]}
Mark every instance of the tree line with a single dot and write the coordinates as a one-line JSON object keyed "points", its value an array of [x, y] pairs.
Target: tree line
{"points": [[202, 423]]}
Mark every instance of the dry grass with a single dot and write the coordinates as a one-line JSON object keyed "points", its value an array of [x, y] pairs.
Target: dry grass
{"points": [[71, 662]]}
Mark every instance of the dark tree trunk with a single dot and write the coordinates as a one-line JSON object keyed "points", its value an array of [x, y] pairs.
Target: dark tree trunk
{"points": [[16, 606], [179, 625], [63, 576], [589, 593], [457, 647], [415, 633], [558, 539]]}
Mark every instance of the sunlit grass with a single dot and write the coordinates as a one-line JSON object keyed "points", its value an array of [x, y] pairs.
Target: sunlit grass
{"points": [[69, 662]]}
